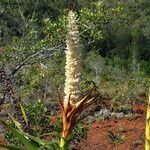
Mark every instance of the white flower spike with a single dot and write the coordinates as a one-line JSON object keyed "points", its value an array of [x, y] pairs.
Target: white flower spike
{"points": [[72, 68]]}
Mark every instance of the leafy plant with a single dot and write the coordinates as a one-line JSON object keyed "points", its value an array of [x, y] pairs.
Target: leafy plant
{"points": [[38, 118], [38, 111], [116, 138], [29, 142], [122, 103], [80, 131]]}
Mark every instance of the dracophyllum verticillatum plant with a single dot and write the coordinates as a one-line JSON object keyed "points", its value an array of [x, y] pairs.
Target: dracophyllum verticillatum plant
{"points": [[72, 105], [147, 130]]}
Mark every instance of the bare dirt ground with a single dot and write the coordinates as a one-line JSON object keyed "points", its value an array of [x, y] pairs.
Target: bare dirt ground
{"points": [[128, 133]]}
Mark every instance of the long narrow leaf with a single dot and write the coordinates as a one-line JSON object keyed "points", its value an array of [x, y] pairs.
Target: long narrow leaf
{"points": [[36, 139], [29, 145], [23, 113], [10, 147], [17, 123]]}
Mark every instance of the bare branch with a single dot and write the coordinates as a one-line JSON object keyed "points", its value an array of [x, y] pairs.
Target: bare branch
{"points": [[27, 60], [29, 57]]}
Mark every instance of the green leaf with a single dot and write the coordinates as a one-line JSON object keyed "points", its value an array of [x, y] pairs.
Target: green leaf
{"points": [[17, 123], [36, 139], [24, 113], [28, 144], [11, 147], [63, 144]]}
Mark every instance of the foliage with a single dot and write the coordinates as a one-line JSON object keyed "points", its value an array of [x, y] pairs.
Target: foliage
{"points": [[115, 37], [116, 138], [38, 120], [29, 142], [41, 124], [79, 132], [95, 64], [116, 31]]}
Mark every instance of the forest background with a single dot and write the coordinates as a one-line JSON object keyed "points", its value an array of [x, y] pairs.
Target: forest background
{"points": [[115, 45]]}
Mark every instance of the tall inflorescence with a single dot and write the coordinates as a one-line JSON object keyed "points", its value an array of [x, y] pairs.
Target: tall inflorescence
{"points": [[72, 68]]}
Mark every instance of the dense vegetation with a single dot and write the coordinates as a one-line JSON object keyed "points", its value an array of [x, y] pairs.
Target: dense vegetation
{"points": [[114, 34], [115, 42]]}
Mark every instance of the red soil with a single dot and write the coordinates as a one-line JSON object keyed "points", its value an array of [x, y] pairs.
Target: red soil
{"points": [[1, 139], [132, 129]]}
